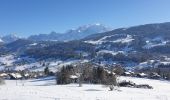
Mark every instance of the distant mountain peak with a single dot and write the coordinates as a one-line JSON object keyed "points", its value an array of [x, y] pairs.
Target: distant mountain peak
{"points": [[10, 38], [98, 24], [1, 41], [72, 34]]}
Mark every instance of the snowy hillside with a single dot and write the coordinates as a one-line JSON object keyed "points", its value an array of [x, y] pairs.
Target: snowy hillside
{"points": [[126, 39], [130, 47], [136, 44], [13, 63], [45, 89]]}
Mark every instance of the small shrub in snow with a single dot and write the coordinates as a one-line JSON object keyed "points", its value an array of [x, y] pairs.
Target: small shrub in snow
{"points": [[46, 71], [2, 81], [145, 86], [133, 85], [127, 84]]}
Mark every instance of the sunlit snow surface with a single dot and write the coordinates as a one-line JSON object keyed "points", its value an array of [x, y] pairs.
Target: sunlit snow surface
{"points": [[45, 89], [127, 39]]}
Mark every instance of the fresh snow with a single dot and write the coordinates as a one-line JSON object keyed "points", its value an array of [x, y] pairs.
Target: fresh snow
{"points": [[45, 89], [7, 60], [33, 44], [107, 51], [111, 52], [127, 39], [150, 43], [33, 65], [100, 41]]}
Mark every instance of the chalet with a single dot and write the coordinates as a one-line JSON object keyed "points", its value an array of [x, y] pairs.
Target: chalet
{"points": [[15, 76], [4, 76], [154, 76], [73, 78], [126, 74], [141, 75]]}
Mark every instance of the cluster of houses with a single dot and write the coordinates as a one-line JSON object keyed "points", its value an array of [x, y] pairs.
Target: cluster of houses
{"points": [[19, 76], [153, 63], [28, 75], [152, 75]]}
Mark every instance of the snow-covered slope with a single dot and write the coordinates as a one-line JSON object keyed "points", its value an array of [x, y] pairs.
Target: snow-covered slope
{"points": [[7, 60], [104, 39], [45, 89], [138, 42], [125, 46], [154, 42], [25, 63]]}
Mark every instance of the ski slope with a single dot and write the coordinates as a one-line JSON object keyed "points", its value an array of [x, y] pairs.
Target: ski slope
{"points": [[45, 89]]}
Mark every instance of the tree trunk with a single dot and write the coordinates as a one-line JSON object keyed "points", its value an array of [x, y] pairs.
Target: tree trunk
{"points": [[111, 87]]}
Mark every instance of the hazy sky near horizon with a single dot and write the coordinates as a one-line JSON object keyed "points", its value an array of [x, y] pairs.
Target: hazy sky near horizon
{"points": [[27, 17]]}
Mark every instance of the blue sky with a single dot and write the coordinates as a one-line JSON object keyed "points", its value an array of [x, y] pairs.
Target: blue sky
{"points": [[27, 17]]}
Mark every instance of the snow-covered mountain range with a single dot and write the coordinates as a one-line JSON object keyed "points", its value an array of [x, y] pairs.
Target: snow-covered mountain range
{"points": [[9, 38], [133, 46], [73, 34]]}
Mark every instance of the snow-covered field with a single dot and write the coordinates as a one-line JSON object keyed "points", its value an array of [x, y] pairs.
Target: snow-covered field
{"points": [[45, 89]]}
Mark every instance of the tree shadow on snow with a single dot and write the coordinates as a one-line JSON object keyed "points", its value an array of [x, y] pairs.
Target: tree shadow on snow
{"points": [[43, 79], [93, 90], [46, 84]]}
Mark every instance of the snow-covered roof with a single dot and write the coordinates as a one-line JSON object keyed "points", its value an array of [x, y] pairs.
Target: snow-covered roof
{"points": [[142, 74], [33, 44], [127, 73], [165, 62], [3, 74], [26, 74], [73, 76], [16, 75]]}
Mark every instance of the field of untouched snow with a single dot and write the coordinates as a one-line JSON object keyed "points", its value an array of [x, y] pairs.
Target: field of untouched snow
{"points": [[45, 89]]}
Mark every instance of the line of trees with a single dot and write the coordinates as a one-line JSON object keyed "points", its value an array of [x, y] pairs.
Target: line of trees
{"points": [[89, 74]]}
